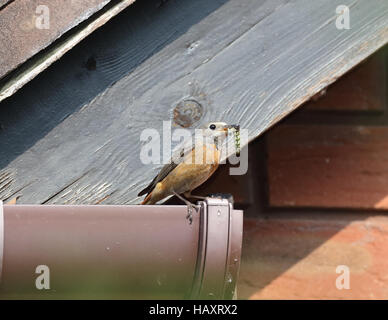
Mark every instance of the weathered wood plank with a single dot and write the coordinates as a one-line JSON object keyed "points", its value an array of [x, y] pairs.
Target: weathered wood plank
{"points": [[20, 38], [346, 114], [245, 62], [35, 65], [328, 166], [362, 89], [4, 2], [295, 256]]}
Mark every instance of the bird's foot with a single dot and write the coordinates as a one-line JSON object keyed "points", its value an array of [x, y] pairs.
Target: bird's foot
{"points": [[190, 207]]}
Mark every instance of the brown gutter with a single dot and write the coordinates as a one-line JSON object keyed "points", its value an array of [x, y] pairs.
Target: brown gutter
{"points": [[134, 252]]}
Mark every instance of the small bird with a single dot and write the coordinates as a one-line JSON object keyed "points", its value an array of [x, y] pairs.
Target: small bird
{"points": [[186, 173]]}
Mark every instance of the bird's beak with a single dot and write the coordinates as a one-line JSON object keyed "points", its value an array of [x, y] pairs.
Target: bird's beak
{"points": [[231, 126]]}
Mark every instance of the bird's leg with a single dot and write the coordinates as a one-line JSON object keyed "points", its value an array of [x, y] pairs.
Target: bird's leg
{"points": [[190, 207], [189, 195]]}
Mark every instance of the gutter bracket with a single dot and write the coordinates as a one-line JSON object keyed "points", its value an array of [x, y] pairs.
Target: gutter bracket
{"points": [[219, 250]]}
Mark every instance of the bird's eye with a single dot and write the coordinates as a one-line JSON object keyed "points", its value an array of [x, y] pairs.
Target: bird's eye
{"points": [[212, 127]]}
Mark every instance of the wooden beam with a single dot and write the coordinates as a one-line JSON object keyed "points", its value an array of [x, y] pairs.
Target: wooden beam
{"points": [[72, 136], [3, 3], [41, 60], [362, 89], [21, 38]]}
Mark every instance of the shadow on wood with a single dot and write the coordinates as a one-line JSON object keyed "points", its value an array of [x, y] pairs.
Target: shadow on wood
{"points": [[92, 66]]}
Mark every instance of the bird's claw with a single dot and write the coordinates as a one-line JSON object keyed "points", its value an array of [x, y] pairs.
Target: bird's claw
{"points": [[189, 215]]}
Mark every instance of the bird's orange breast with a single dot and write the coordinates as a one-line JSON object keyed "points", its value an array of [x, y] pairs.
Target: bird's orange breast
{"points": [[196, 168]]}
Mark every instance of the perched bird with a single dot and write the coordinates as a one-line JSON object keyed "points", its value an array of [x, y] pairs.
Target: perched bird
{"points": [[191, 168]]}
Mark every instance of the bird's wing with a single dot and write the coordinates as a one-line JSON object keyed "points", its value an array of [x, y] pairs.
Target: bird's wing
{"points": [[177, 158]]}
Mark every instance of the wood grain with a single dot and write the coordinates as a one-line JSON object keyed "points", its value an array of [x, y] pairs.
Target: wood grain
{"points": [[328, 166], [72, 134], [20, 39], [3, 3], [42, 60], [362, 89]]}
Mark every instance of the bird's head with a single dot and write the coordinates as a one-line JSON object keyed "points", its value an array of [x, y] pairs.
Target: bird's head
{"points": [[217, 130]]}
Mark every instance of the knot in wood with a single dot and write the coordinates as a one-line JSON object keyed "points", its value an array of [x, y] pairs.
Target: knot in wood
{"points": [[187, 112]]}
